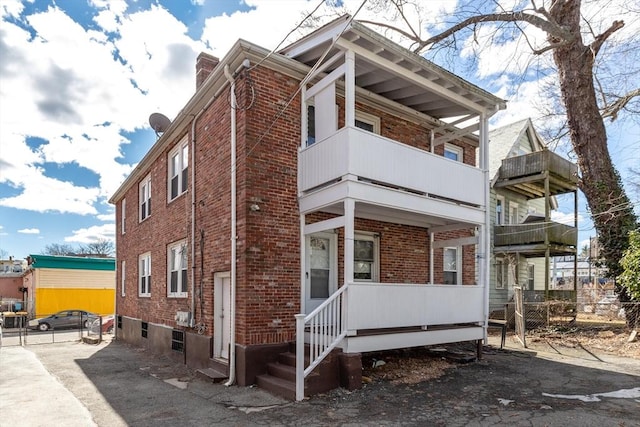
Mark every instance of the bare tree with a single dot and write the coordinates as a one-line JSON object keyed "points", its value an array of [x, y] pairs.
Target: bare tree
{"points": [[585, 101], [101, 247], [59, 249]]}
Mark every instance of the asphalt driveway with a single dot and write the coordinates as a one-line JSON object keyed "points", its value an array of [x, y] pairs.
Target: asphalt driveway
{"points": [[112, 384]]}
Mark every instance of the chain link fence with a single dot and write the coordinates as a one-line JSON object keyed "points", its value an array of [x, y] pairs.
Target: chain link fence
{"points": [[588, 308], [65, 326]]}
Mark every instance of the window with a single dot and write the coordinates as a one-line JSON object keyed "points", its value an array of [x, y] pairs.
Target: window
{"points": [[501, 273], [530, 276], [145, 198], [177, 341], [123, 215], [122, 277], [368, 122], [513, 213], [177, 267], [178, 169], [450, 266], [499, 210], [453, 152], [144, 274], [365, 254], [144, 329], [365, 121]]}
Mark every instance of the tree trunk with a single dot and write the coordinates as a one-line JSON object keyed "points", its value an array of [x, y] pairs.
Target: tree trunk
{"points": [[610, 208]]}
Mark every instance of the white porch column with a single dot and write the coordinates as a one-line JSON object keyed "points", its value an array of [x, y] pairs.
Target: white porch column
{"points": [[350, 89], [303, 267], [431, 240], [484, 257], [304, 119], [349, 234]]}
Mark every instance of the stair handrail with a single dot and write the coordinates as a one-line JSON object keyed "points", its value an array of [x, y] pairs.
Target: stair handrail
{"points": [[327, 327]]}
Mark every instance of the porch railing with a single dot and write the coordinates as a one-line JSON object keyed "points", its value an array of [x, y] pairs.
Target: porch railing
{"points": [[326, 327]]}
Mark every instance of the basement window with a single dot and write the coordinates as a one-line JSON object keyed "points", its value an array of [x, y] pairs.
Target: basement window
{"points": [[177, 341], [144, 329], [119, 322]]}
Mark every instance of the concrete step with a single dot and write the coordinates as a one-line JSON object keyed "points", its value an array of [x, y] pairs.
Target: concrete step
{"points": [[212, 374], [277, 386]]}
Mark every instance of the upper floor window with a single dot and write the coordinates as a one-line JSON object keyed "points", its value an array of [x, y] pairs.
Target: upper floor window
{"points": [[453, 152], [365, 257], [123, 215], [145, 197], [367, 121], [123, 266], [513, 213], [451, 266], [499, 210], [144, 275], [177, 267], [178, 169]]}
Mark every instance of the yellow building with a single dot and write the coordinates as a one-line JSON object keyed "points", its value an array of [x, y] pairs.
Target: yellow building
{"points": [[56, 283]]}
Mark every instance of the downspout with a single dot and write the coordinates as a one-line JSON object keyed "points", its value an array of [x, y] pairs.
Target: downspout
{"points": [[232, 344], [192, 149], [193, 219]]}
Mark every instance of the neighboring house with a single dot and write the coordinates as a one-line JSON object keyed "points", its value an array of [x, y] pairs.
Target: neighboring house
{"points": [[328, 189], [11, 290], [526, 177], [54, 283]]}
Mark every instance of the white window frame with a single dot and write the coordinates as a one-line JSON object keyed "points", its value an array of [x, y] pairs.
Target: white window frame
{"points": [[181, 153], [500, 213], [370, 119], [514, 210], [458, 151], [144, 200], [182, 281], [531, 277], [446, 269], [144, 272], [123, 216], [123, 275], [375, 264]]}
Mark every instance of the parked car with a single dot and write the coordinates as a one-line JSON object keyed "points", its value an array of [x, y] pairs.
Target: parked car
{"points": [[64, 319]]}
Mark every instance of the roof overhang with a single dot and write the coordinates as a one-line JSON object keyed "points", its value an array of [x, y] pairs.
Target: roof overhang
{"points": [[386, 69]]}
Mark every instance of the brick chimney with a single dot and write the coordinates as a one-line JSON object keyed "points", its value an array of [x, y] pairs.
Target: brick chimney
{"points": [[204, 66]]}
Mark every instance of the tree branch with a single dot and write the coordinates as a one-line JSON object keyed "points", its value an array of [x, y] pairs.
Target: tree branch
{"points": [[612, 110], [411, 37], [549, 27], [599, 40]]}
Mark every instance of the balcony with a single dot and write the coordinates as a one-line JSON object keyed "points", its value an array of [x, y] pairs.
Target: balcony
{"points": [[356, 154], [526, 174], [529, 239]]}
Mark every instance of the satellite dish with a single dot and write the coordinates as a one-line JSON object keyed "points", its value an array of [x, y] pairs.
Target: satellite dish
{"points": [[159, 123]]}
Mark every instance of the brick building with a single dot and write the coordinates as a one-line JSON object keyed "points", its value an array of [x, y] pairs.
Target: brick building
{"points": [[315, 195]]}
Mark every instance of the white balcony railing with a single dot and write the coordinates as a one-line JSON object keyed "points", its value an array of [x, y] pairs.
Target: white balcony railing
{"points": [[382, 160], [384, 305]]}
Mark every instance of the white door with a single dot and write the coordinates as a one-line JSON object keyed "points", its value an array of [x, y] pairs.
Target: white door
{"points": [[321, 276], [222, 315]]}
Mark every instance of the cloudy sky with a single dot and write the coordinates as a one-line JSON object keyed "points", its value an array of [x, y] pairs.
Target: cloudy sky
{"points": [[79, 79]]}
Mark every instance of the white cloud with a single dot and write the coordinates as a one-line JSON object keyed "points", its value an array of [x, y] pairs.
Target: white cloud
{"points": [[29, 231], [566, 218], [106, 217], [93, 234]]}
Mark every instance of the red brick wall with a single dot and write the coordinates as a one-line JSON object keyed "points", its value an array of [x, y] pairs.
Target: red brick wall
{"points": [[268, 259]]}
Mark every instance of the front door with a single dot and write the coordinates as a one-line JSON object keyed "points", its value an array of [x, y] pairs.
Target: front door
{"points": [[321, 276], [222, 315]]}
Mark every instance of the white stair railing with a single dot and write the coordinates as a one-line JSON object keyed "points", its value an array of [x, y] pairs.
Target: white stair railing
{"points": [[326, 327]]}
